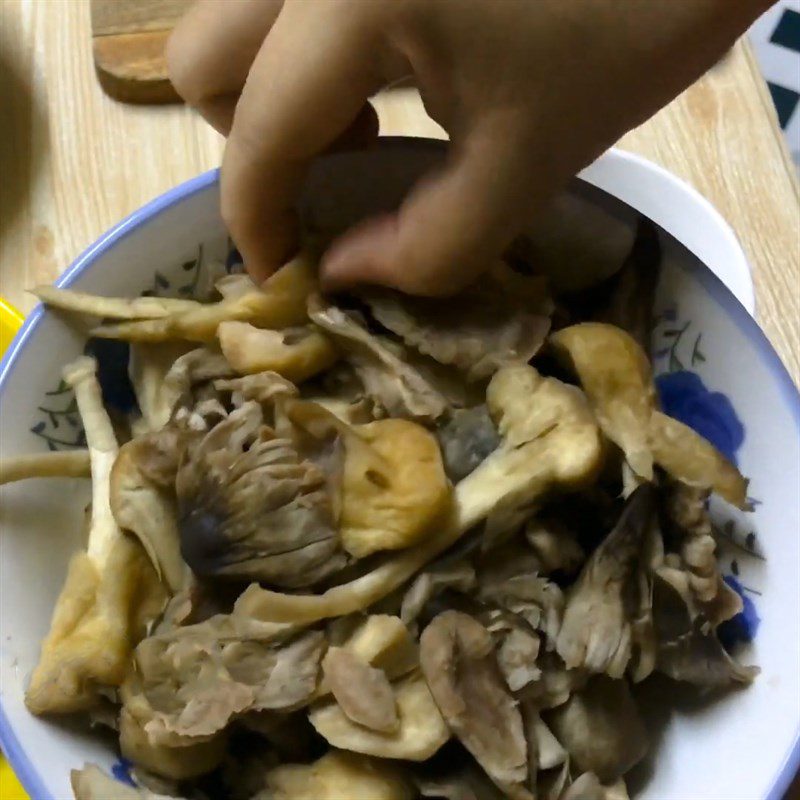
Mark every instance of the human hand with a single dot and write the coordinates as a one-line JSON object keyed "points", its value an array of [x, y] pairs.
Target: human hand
{"points": [[530, 91]]}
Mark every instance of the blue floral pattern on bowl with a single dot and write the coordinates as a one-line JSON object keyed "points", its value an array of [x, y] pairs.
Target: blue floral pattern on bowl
{"points": [[685, 397], [743, 627], [677, 356]]}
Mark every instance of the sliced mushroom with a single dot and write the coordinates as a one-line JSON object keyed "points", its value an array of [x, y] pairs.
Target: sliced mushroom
{"points": [[429, 583], [688, 650], [394, 488], [494, 323], [384, 642], [111, 307], [192, 682], [596, 632], [266, 388], [175, 763], [296, 353], [148, 367], [588, 787], [91, 783], [544, 750], [556, 683], [143, 507], [601, 728], [421, 733], [362, 692], [457, 658], [508, 577], [279, 303], [233, 284], [687, 524], [189, 372], [398, 387], [335, 776], [59, 464], [689, 458], [615, 373]]}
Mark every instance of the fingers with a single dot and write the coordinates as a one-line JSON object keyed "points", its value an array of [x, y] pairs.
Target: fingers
{"points": [[307, 86], [452, 225], [211, 50]]}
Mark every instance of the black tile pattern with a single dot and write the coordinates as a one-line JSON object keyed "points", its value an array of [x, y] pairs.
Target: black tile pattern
{"points": [[787, 31], [785, 102]]}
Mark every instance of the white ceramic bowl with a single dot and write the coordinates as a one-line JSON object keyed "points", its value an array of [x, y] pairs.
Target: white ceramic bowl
{"points": [[743, 747]]}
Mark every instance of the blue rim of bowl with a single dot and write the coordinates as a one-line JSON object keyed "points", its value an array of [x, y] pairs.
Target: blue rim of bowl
{"points": [[717, 290]]}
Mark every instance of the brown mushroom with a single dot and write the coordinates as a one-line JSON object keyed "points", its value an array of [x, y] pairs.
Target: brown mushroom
{"points": [[596, 631], [421, 731], [362, 692], [458, 661], [502, 319], [387, 378], [601, 728]]}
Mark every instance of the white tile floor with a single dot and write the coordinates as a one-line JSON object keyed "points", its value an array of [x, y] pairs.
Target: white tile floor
{"points": [[776, 39]]}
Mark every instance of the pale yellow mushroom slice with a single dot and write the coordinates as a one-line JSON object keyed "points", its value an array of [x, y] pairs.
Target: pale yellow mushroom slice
{"points": [[192, 759], [421, 731], [338, 775], [385, 642], [615, 374], [693, 460], [91, 783], [234, 285], [380, 640], [61, 464], [279, 303], [394, 490], [362, 691], [148, 367], [123, 308], [295, 353]]}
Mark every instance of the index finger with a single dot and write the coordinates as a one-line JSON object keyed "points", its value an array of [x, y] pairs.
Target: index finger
{"points": [[308, 83]]}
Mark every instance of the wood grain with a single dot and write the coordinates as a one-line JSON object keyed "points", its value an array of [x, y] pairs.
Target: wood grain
{"points": [[74, 162], [127, 16], [128, 39]]}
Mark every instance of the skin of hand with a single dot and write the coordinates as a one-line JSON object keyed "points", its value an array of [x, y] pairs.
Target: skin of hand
{"points": [[530, 91]]}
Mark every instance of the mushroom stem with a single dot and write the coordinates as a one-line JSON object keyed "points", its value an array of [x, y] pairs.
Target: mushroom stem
{"points": [[61, 464]]}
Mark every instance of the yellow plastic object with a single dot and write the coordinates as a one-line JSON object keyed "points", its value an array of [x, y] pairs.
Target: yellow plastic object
{"points": [[10, 320], [10, 788]]}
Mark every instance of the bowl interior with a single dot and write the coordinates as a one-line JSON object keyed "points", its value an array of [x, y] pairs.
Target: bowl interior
{"points": [[719, 368]]}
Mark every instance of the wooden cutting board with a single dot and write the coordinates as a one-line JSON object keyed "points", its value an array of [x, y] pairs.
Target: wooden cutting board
{"points": [[128, 40]]}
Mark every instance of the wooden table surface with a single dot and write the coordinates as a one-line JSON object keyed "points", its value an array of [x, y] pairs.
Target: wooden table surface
{"points": [[73, 162]]}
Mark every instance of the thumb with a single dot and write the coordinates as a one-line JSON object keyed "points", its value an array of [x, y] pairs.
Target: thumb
{"points": [[453, 224]]}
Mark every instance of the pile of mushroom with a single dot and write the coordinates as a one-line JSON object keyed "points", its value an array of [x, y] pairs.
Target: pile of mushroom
{"points": [[382, 547]]}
